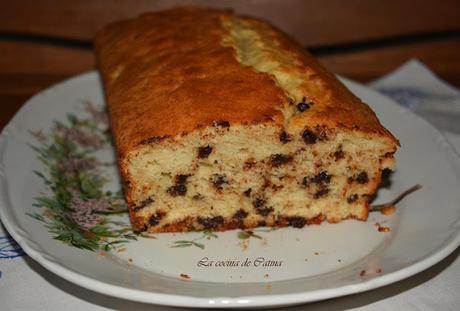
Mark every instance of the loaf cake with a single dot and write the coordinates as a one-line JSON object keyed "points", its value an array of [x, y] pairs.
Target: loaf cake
{"points": [[224, 122]]}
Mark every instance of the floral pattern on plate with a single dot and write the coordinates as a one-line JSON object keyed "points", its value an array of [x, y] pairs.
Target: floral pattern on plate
{"points": [[76, 209]]}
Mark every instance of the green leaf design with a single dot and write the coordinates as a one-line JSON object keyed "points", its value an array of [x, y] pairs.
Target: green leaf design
{"points": [[72, 118], [182, 244], [187, 243], [37, 216], [148, 236], [244, 235], [130, 237], [199, 245]]}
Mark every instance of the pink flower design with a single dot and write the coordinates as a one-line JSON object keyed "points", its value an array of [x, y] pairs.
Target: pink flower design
{"points": [[100, 117], [84, 212], [82, 164], [81, 137]]}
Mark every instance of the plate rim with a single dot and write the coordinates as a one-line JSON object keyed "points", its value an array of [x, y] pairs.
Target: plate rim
{"points": [[264, 300]]}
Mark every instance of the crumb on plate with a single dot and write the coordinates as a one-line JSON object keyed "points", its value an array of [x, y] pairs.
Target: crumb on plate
{"points": [[185, 276], [388, 210]]}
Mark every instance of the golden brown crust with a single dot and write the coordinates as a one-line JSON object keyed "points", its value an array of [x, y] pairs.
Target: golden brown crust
{"points": [[172, 68], [335, 105], [166, 74]]}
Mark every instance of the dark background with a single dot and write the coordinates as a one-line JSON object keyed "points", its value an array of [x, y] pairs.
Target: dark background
{"points": [[45, 41]]}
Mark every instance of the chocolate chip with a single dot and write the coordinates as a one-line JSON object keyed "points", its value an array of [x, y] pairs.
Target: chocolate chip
{"points": [[339, 154], [181, 179], [259, 204], [221, 123], [352, 198], [296, 221], [362, 178], [303, 106], [309, 137], [211, 222], [264, 211], [385, 181], [279, 159], [305, 181], [386, 173], [219, 181], [180, 187], [240, 214], [204, 152], [144, 203], [155, 219], [180, 190], [321, 193], [248, 192], [322, 178], [285, 137]]}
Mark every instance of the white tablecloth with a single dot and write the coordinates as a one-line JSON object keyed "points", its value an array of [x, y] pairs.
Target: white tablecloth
{"points": [[25, 285]]}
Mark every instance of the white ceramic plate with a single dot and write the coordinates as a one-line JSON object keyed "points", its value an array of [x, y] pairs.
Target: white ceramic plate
{"points": [[271, 268]]}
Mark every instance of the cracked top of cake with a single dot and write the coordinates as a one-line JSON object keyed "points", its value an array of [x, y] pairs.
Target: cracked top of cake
{"points": [[169, 73]]}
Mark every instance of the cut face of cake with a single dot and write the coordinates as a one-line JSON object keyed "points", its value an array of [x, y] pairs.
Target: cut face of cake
{"points": [[223, 122]]}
